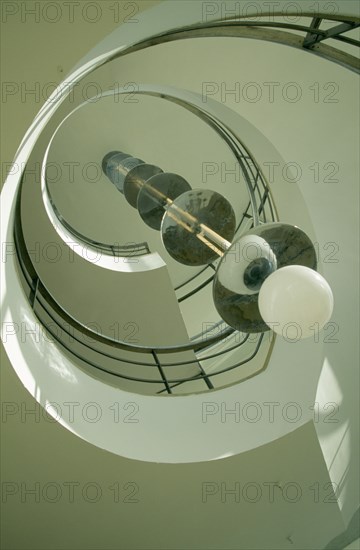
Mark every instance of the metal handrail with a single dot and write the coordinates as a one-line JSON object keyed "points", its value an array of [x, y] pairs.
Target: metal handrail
{"points": [[38, 293], [261, 30], [128, 251]]}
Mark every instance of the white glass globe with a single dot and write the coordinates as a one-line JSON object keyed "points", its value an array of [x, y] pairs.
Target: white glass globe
{"points": [[295, 301]]}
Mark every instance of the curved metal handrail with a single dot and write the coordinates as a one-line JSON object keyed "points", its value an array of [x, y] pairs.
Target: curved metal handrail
{"points": [[264, 31], [238, 26], [127, 251], [238, 150], [33, 280], [267, 31], [252, 175], [39, 294]]}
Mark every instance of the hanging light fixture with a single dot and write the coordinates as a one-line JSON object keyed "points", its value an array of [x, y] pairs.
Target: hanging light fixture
{"points": [[263, 277], [266, 278]]}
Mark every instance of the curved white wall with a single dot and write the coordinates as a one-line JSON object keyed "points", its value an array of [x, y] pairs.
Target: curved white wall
{"points": [[317, 131]]}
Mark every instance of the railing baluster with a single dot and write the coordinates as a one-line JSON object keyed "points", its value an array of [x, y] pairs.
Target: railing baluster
{"points": [[161, 370]]}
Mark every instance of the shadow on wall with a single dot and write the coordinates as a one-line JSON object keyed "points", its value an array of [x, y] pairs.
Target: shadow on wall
{"points": [[351, 534]]}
